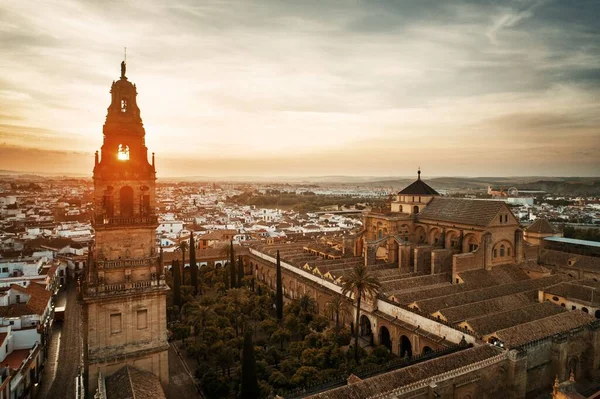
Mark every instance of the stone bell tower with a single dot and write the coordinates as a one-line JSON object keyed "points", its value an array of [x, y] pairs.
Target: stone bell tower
{"points": [[124, 293]]}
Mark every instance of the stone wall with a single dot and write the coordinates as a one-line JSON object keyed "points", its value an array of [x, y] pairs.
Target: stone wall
{"points": [[441, 261], [422, 259], [132, 242], [126, 329]]}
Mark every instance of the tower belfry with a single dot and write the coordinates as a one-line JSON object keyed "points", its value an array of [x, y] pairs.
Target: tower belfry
{"points": [[124, 293]]}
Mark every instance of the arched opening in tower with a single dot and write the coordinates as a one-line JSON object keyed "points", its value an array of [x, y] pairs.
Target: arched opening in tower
{"points": [[126, 201], [123, 152]]}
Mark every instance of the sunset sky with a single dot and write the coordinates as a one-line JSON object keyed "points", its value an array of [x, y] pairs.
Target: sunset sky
{"points": [[339, 87]]}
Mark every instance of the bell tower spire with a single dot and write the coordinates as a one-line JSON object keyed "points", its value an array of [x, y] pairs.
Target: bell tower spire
{"points": [[124, 65], [124, 294]]}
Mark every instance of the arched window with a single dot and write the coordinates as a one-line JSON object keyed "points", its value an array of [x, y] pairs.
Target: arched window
{"points": [[380, 233], [126, 201], [123, 152], [501, 251], [124, 104], [400, 209], [108, 205], [585, 310], [416, 209]]}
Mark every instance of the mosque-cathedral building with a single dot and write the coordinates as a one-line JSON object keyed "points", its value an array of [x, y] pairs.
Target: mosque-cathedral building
{"points": [[485, 308], [457, 273]]}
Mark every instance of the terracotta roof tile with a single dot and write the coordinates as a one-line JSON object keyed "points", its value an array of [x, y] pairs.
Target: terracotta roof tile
{"points": [[528, 332], [387, 382], [418, 187], [464, 211], [541, 226], [132, 383], [498, 321]]}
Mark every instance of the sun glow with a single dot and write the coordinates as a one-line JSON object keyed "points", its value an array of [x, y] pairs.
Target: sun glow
{"points": [[123, 153]]}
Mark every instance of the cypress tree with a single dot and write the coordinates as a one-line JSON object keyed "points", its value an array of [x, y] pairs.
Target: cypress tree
{"points": [[232, 265], [193, 266], [226, 276], [176, 282], [279, 292], [240, 272], [250, 387]]}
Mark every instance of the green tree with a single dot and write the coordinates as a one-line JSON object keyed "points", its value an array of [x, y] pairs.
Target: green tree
{"points": [[305, 375], [279, 292], [280, 336], [360, 282], [337, 306], [183, 247], [237, 298], [226, 277], [278, 379], [176, 283], [193, 265], [240, 272], [198, 316], [250, 388], [268, 327]]}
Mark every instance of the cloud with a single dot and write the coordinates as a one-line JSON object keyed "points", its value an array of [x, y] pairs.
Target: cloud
{"points": [[291, 85]]}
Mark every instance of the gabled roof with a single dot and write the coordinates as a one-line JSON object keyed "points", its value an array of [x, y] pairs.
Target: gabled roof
{"points": [[132, 383], [420, 372], [463, 211], [540, 226], [418, 187], [38, 297]]}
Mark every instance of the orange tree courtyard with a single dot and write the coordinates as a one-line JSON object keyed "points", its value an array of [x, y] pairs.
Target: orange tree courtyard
{"points": [[290, 355]]}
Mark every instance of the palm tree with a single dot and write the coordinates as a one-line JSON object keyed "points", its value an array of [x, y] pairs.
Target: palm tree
{"points": [[237, 297], [359, 282], [193, 266], [197, 316], [306, 304], [337, 306], [183, 247], [231, 266], [176, 282]]}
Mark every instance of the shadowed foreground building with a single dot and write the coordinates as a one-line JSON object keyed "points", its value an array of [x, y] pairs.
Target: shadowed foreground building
{"points": [[124, 293]]}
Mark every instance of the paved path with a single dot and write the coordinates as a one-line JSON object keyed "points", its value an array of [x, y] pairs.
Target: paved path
{"points": [[181, 384], [64, 355]]}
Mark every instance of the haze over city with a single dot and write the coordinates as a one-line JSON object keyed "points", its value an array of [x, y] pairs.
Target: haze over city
{"points": [[308, 88]]}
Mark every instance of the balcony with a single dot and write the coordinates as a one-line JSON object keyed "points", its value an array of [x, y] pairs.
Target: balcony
{"points": [[100, 221], [133, 262], [123, 288]]}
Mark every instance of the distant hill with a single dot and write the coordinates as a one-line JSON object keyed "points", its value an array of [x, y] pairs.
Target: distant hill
{"points": [[555, 185]]}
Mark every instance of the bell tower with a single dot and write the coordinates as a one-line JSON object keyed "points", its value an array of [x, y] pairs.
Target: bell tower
{"points": [[124, 293]]}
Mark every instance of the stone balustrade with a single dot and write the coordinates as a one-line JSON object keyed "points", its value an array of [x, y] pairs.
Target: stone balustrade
{"points": [[132, 262], [125, 222]]}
